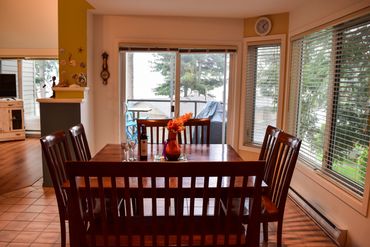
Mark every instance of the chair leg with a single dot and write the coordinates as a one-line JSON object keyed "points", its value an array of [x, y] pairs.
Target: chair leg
{"points": [[265, 231], [279, 233], [62, 231]]}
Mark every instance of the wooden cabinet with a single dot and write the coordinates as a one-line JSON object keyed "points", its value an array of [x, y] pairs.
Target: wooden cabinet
{"points": [[11, 120]]}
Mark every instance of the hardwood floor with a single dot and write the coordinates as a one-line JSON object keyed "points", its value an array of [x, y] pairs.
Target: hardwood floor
{"points": [[20, 164]]}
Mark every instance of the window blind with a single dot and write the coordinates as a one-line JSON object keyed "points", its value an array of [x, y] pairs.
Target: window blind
{"points": [[330, 97], [178, 49], [262, 86]]}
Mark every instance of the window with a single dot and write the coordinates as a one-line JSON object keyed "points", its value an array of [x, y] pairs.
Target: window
{"points": [[330, 94], [33, 81], [262, 90]]}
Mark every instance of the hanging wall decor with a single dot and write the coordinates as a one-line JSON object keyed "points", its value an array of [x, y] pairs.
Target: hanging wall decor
{"points": [[72, 67], [105, 73]]}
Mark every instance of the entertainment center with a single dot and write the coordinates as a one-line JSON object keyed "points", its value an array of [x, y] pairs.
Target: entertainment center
{"points": [[11, 120], [11, 110]]}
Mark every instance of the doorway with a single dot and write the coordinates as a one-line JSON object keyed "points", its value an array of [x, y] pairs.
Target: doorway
{"points": [[34, 81], [166, 83]]}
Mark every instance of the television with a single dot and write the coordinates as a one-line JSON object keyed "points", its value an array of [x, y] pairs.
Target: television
{"points": [[8, 86]]}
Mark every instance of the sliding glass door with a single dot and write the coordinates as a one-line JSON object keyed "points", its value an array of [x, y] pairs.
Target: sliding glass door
{"points": [[204, 83], [150, 82], [165, 84]]}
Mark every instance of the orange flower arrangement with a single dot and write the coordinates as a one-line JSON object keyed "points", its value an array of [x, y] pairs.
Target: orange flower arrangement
{"points": [[176, 125]]}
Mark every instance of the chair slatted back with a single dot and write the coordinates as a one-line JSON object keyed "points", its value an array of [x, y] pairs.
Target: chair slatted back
{"points": [[283, 162], [197, 131], [268, 144], [156, 129], [79, 142], [175, 204], [56, 152]]}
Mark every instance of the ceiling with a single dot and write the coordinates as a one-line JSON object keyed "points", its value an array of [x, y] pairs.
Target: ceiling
{"points": [[195, 8]]}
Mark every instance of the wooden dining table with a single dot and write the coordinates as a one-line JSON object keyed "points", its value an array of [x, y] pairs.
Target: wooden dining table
{"points": [[190, 152], [116, 155]]}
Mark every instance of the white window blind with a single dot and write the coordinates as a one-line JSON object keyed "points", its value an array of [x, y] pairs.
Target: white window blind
{"points": [[262, 87], [330, 96]]}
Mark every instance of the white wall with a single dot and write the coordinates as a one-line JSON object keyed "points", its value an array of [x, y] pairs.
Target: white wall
{"points": [[318, 12], [329, 199], [29, 28], [88, 119], [109, 31]]}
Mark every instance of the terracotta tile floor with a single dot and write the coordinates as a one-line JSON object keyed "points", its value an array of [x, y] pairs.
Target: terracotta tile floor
{"points": [[29, 217]]}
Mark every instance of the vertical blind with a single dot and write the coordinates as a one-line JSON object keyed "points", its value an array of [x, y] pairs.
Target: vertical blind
{"points": [[330, 95], [262, 87]]}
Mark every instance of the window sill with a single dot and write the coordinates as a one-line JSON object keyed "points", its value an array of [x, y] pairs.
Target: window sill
{"points": [[360, 204]]}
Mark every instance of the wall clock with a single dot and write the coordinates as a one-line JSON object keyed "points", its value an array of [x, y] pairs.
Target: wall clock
{"points": [[104, 74], [263, 26]]}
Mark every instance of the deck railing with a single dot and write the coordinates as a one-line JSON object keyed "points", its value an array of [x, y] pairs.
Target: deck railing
{"points": [[197, 104]]}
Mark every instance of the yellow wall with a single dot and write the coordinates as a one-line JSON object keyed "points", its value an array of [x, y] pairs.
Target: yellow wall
{"points": [[280, 24], [72, 23]]}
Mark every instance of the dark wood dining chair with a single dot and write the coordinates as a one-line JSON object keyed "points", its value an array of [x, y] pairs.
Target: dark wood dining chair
{"points": [[282, 163], [195, 222], [156, 129], [268, 144], [197, 131], [79, 142], [56, 152]]}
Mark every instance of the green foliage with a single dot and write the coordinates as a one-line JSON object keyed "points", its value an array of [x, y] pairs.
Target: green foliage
{"points": [[363, 154], [352, 126], [314, 93], [45, 70], [348, 93], [268, 71], [354, 165], [201, 72]]}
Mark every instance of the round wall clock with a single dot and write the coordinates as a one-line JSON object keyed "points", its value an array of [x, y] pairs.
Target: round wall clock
{"points": [[263, 26], [105, 73]]}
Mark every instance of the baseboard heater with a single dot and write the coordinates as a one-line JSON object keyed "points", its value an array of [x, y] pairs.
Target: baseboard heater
{"points": [[336, 233]]}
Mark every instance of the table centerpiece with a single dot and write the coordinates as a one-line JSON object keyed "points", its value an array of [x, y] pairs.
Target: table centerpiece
{"points": [[175, 126]]}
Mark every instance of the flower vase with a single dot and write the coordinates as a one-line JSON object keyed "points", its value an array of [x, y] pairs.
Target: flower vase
{"points": [[173, 149]]}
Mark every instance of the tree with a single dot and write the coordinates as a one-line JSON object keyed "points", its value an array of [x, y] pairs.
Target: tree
{"points": [[335, 72], [314, 92], [44, 71], [351, 141], [201, 72], [267, 72]]}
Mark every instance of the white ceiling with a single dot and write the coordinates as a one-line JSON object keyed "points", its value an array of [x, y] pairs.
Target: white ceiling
{"points": [[199, 8]]}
